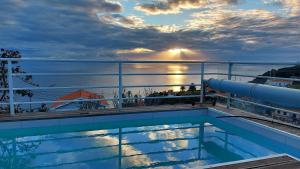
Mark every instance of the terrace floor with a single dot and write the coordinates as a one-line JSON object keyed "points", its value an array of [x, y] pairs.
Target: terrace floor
{"points": [[280, 162]]}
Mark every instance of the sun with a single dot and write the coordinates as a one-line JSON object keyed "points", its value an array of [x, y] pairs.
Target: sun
{"points": [[177, 51]]}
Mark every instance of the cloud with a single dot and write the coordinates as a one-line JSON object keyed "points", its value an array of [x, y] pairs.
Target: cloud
{"points": [[176, 6], [292, 6], [49, 29], [60, 29], [207, 20], [89, 6], [158, 8], [134, 51], [126, 149], [166, 28], [172, 134], [134, 22], [131, 21], [272, 2]]}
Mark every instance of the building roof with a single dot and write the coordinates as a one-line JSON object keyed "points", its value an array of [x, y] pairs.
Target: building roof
{"points": [[79, 94]]}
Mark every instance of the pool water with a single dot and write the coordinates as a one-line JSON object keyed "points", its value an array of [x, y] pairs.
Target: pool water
{"points": [[184, 142]]}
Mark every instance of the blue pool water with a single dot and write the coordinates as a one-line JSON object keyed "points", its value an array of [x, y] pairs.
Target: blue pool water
{"points": [[170, 142]]}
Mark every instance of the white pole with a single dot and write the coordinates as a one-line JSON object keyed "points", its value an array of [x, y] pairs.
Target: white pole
{"points": [[202, 83], [229, 78], [120, 86], [10, 88]]}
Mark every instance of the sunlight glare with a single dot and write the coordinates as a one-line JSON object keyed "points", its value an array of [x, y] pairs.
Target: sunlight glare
{"points": [[177, 51], [177, 79]]}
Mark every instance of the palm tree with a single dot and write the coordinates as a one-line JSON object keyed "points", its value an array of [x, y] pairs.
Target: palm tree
{"points": [[182, 88]]}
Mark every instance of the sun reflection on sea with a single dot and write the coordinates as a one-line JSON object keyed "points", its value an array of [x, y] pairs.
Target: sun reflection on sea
{"points": [[176, 79]]}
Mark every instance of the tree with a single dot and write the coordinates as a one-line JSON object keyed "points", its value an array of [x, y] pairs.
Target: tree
{"points": [[182, 88], [192, 87], [16, 68]]}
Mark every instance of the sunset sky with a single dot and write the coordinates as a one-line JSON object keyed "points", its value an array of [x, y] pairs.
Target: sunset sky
{"points": [[247, 30]]}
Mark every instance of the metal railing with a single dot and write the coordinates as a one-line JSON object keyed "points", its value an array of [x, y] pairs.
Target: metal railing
{"points": [[120, 75]]}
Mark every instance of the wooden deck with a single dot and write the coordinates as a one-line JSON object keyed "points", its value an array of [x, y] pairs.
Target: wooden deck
{"points": [[281, 162]]}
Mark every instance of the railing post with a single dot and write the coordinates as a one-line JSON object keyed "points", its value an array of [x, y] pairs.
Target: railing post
{"points": [[120, 99], [202, 83], [229, 75], [10, 88]]}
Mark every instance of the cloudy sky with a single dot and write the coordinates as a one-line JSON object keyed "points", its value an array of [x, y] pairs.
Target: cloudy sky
{"points": [[153, 29]]}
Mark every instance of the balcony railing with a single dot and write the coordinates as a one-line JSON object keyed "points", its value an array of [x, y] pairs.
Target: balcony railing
{"points": [[201, 74]]}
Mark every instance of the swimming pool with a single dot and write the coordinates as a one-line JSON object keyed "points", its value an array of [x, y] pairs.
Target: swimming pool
{"points": [[171, 139]]}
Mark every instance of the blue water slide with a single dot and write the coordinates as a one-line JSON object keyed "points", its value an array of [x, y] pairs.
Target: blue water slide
{"points": [[278, 95]]}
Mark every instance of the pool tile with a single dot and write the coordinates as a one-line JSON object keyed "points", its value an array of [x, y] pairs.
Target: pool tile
{"points": [[10, 125], [39, 123]]}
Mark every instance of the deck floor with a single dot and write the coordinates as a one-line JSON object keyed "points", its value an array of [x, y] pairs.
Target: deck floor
{"points": [[281, 162]]}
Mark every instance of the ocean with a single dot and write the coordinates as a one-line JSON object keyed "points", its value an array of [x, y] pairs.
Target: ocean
{"points": [[93, 67]]}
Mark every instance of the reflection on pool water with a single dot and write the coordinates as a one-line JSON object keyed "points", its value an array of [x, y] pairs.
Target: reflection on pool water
{"points": [[165, 143]]}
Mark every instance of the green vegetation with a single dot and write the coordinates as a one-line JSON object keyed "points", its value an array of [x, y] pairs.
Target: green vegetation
{"points": [[288, 72], [16, 68], [295, 86], [131, 100]]}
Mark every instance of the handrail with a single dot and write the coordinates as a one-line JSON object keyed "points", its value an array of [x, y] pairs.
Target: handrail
{"points": [[110, 99], [97, 87], [261, 105], [152, 74], [120, 74], [102, 74], [148, 61]]}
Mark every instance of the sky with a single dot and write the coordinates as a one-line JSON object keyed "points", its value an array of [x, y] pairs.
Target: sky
{"points": [[215, 30]]}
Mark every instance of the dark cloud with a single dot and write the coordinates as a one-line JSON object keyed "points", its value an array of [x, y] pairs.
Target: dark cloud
{"points": [[49, 29], [92, 6], [120, 20], [175, 6]]}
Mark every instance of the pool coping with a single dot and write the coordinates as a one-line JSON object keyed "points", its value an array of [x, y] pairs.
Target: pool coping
{"points": [[256, 123], [97, 119], [275, 134], [103, 112]]}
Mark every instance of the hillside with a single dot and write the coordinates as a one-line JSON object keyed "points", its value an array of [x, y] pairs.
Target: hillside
{"points": [[286, 72]]}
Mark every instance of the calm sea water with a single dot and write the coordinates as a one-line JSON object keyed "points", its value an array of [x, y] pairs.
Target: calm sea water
{"points": [[63, 67]]}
